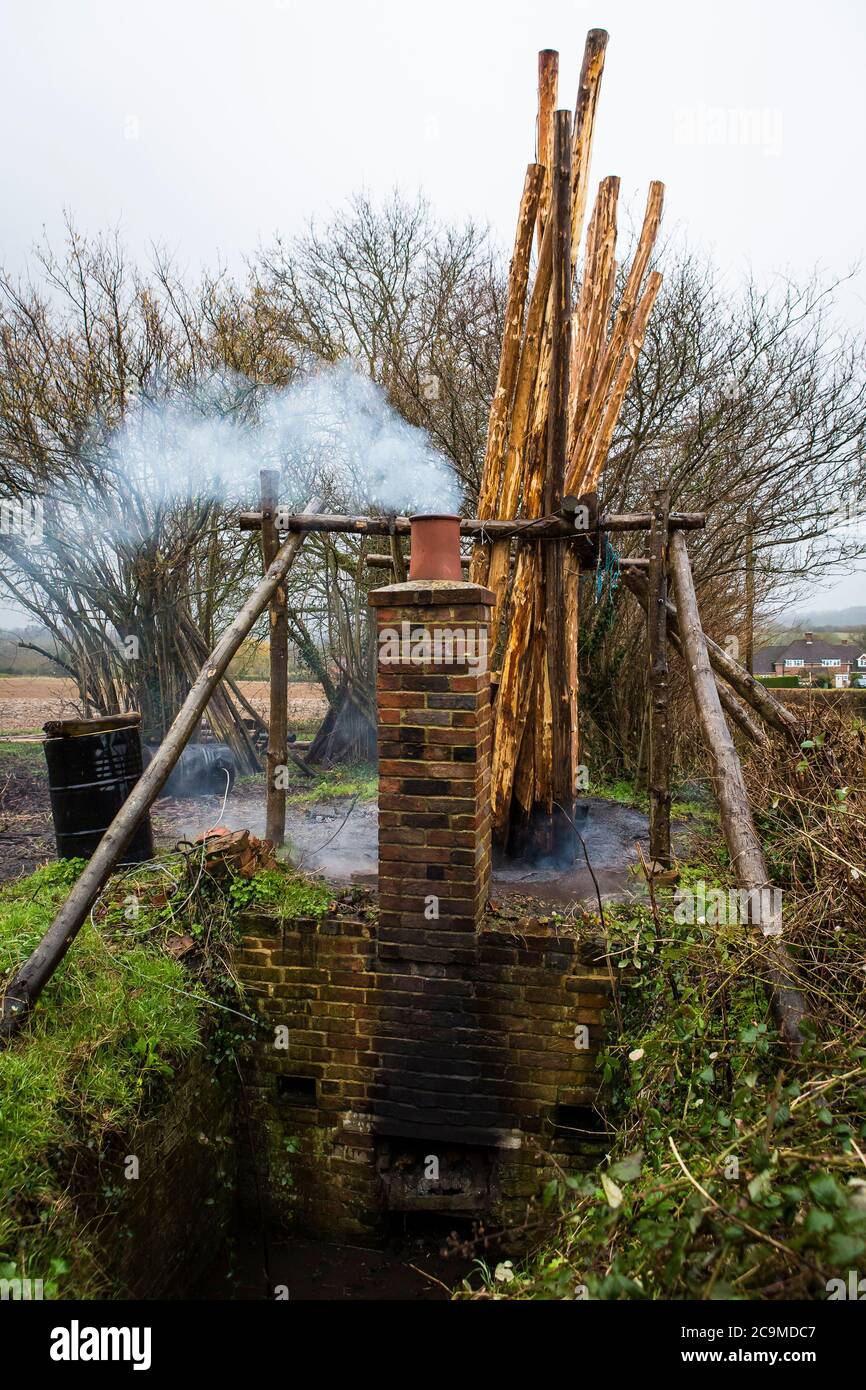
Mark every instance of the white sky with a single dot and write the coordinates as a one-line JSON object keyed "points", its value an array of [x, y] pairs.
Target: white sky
{"points": [[207, 125]]}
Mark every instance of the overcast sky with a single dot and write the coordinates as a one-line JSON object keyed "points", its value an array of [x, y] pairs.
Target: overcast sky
{"points": [[207, 125]]}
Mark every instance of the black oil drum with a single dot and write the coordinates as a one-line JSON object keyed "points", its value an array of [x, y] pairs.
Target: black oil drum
{"points": [[89, 777], [203, 769]]}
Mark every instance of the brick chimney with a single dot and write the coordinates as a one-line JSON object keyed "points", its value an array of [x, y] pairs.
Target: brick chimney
{"points": [[433, 689], [807, 638], [433, 693]]}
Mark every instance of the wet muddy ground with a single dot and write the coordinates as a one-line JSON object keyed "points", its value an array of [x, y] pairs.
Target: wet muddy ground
{"points": [[339, 840], [336, 838]]}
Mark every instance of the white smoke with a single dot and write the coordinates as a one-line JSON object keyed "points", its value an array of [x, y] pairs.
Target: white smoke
{"points": [[332, 432]]}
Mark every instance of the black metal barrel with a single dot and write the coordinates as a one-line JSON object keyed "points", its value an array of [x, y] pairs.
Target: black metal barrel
{"points": [[90, 775]]}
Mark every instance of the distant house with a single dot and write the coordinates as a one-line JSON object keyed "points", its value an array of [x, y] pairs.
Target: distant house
{"points": [[812, 660]]}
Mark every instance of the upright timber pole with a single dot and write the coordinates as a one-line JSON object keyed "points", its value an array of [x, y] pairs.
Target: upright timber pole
{"points": [[26, 986], [278, 742], [749, 867], [558, 582], [660, 727]]}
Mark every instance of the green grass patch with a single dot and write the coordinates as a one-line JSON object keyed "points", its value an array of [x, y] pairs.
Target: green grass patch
{"points": [[283, 893], [116, 1014], [28, 757], [335, 782]]}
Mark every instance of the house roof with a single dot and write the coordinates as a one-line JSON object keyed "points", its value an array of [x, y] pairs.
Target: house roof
{"points": [[810, 653], [765, 660]]}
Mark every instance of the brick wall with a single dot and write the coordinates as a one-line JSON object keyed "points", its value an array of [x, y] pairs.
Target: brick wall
{"points": [[323, 1159], [419, 1038]]}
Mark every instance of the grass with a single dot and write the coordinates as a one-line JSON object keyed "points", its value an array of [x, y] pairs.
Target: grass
{"points": [[286, 895], [690, 804], [101, 1031], [336, 782], [26, 757], [117, 1018]]}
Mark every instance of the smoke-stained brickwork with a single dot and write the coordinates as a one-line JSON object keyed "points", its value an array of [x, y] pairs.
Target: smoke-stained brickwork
{"points": [[417, 1057], [313, 1077]]}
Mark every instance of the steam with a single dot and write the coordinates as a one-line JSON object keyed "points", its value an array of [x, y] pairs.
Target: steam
{"points": [[333, 432]]}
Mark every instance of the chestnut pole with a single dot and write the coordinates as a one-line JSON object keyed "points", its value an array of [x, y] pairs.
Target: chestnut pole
{"points": [[26, 986], [563, 712], [660, 730], [787, 1005], [278, 659]]}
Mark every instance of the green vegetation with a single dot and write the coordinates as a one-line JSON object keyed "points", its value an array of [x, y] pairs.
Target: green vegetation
{"points": [[283, 894], [146, 982], [115, 1015], [734, 1173], [735, 1170], [362, 782], [23, 757]]}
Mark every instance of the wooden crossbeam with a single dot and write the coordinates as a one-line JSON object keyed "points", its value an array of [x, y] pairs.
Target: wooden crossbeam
{"points": [[536, 528]]}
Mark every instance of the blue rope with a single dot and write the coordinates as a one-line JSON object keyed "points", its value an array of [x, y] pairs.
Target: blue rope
{"points": [[607, 572]]}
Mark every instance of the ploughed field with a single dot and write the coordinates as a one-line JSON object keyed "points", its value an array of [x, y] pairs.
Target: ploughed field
{"points": [[26, 702]]}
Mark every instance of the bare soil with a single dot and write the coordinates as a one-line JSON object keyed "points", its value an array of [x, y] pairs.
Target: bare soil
{"points": [[26, 702]]}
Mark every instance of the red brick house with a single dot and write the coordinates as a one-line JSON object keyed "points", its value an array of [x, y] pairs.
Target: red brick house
{"points": [[812, 659]]}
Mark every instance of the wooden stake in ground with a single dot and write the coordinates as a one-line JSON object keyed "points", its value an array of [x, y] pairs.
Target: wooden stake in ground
{"points": [[26, 986], [562, 744], [729, 702], [660, 730], [787, 1005], [275, 817]]}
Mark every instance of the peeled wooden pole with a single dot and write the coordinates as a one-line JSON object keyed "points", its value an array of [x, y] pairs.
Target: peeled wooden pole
{"points": [[509, 359], [730, 704], [559, 830], [585, 442], [601, 442], [592, 313], [490, 566], [548, 87], [278, 660], [26, 986], [787, 1005], [584, 125]]}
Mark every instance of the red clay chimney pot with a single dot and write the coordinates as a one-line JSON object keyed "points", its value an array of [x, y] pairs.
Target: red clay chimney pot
{"points": [[435, 552]]}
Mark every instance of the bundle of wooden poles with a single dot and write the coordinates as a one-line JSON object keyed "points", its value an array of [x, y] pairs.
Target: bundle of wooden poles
{"points": [[567, 357]]}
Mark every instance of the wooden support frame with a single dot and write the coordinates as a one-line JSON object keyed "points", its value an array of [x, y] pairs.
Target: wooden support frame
{"points": [[531, 528], [28, 983], [660, 742], [786, 1001], [774, 714], [278, 661]]}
